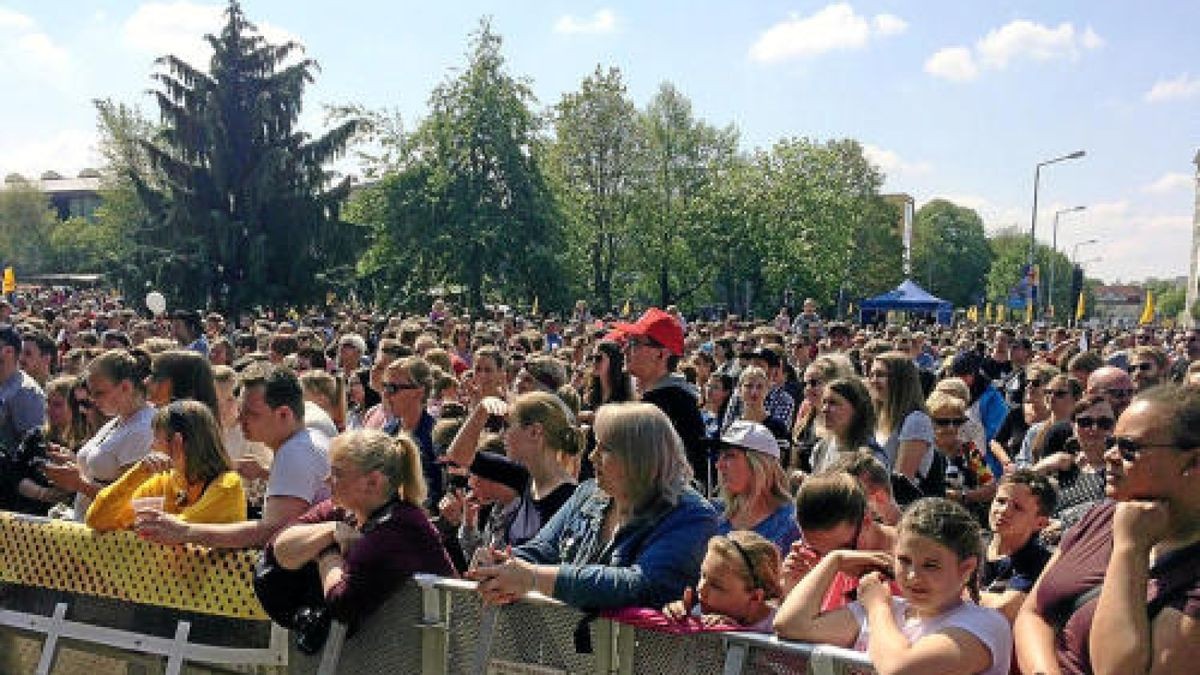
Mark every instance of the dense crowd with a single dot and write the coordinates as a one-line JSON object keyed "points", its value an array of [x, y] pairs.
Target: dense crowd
{"points": [[966, 499]]}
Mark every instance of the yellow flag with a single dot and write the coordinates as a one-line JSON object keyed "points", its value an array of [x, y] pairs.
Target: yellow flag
{"points": [[1147, 311], [987, 313], [10, 280], [1000, 312], [1029, 312], [628, 308], [534, 309], [1080, 307], [973, 314]]}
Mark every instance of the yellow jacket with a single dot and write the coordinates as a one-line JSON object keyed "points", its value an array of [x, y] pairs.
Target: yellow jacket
{"points": [[223, 501]]}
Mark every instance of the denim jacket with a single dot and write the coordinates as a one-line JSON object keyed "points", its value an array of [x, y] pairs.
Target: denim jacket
{"points": [[648, 564]]}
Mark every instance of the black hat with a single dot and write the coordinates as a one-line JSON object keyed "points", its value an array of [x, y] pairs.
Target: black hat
{"points": [[764, 354], [967, 362], [500, 469]]}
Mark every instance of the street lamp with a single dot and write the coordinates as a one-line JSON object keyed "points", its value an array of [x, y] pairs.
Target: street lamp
{"points": [[1037, 174], [1075, 249], [1048, 302]]}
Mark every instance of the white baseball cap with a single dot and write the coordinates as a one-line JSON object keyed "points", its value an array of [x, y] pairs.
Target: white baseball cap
{"points": [[749, 435]]}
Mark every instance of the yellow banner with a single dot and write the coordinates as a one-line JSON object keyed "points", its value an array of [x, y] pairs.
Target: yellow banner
{"points": [[10, 280], [1148, 310]]}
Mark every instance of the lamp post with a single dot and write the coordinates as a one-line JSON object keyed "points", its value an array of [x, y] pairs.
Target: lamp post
{"points": [[1075, 249], [1048, 300], [1037, 174]]}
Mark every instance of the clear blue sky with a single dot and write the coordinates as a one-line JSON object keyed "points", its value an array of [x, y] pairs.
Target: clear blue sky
{"points": [[952, 99]]}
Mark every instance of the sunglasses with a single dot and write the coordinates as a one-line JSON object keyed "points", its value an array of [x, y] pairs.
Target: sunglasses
{"points": [[813, 383], [597, 358], [1129, 449], [1144, 367], [84, 403], [642, 342], [392, 387], [1101, 423], [1058, 393], [1119, 393], [949, 421]]}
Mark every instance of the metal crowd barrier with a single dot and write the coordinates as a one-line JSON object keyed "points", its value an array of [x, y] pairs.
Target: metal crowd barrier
{"points": [[65, 586], [63, 583]]}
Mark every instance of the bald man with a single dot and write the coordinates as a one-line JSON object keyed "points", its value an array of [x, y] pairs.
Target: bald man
{"points": [[1114, 385]]}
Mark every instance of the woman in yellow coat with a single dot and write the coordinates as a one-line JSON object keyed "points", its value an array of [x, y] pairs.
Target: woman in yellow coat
{"points": [[188, 468]]}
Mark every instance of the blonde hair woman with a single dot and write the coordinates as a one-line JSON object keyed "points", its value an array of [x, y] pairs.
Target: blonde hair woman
{"points": [[365, 541], [754, 488], [632, 537], [540, 428]]}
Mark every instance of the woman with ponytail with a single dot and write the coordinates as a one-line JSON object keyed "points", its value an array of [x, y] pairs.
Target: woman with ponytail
{"points": [[342, 558]]}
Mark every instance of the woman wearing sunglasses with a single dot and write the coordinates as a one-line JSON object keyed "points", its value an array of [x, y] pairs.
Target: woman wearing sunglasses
{"points": [[1122, 595], [967, 478], [1049, 436], [1079, 470]]}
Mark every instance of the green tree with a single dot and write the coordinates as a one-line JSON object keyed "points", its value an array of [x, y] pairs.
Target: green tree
{"points": [[681, 159], [474, 198], [27, 222], [951, 257], [238, 199], [1010, 250], [593, 162]]}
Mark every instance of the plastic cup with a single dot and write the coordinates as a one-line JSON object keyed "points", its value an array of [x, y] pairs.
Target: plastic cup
{"points": [[146, 504]]}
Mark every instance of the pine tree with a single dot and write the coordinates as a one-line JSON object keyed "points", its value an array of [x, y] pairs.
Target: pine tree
{"points": [[242, 206]]}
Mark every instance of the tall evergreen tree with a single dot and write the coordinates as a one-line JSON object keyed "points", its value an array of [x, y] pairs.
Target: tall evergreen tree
{"points": [[243, 206]]}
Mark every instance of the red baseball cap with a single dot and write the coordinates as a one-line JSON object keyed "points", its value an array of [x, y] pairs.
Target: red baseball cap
{"points": [[658, 326]]}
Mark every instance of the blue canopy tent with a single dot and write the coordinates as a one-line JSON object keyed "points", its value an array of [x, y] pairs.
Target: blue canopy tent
{"points": [[907, 297]]}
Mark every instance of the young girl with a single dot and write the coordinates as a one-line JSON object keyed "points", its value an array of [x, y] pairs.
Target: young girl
{"points": [[739, 585], [931, 628]]}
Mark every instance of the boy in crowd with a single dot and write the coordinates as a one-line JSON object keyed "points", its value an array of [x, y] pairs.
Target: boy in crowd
{"points": [[1014, 558]]}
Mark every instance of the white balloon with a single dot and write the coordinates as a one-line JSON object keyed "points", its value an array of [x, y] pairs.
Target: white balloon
{"points": [[155, 302]]}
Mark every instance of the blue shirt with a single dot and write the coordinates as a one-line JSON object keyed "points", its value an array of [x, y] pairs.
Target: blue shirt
{"points": [[780, 528], [647, 564]]}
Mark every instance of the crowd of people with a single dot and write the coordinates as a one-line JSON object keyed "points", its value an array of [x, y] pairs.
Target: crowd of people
{"points": [[955, 499]]}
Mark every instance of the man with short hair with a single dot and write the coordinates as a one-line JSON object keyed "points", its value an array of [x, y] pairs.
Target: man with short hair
{"points": [[653, 346], [1020, 353], [1113, 385], [188, 331], [351, 348], [39, 356], [22, 402], [271, 412], [1147, 367]]}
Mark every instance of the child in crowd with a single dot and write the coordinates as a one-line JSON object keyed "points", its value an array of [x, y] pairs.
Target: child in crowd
{"points": [[1014, 557], [930, 628], [739, 585]]}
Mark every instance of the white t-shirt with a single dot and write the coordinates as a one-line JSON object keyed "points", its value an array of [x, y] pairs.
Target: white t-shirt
{"points": [[300, 468], [316, 418], [986, 624], [116, 444]]}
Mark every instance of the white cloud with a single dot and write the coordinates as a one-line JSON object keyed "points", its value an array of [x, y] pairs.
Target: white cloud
{"points": [[14, 20], [27, 52], [1015, 41], [1178, 89], [834, 27], [892, 164], [1170, 182], [953, 63], [66, 152], [602, 21], [160, 28], [889, 24]]}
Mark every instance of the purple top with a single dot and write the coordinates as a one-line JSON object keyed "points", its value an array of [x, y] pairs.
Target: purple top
{"points": [[398, 541]]}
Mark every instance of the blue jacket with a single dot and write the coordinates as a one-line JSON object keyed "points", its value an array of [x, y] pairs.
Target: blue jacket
{"points": [[649, 563], [780, 528]]}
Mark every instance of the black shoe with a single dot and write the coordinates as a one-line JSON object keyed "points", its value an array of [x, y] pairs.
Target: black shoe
{"points": [[311, 628]]}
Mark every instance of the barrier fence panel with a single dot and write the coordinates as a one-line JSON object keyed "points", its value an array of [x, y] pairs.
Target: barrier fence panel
{"points": [[67, 585], [67, 582]]}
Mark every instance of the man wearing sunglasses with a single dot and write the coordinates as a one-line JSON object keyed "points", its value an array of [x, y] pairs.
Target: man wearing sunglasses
{"points": [[653, 346], [1147, 367], [1112, 384]]}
